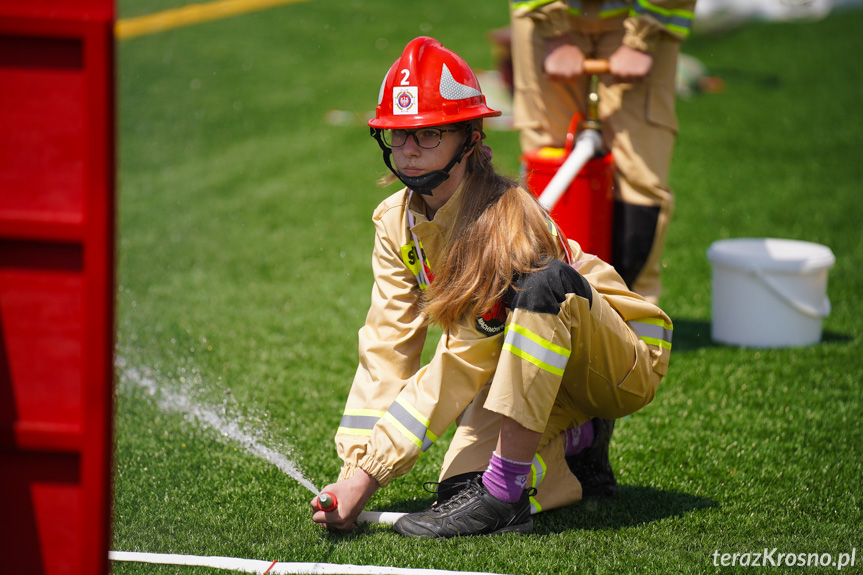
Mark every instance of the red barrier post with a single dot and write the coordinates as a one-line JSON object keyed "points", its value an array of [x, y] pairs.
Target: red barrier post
{"points": [[57, 163]]}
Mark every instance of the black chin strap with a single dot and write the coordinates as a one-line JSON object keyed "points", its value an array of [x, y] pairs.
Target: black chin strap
{"points": [[426, 183]]}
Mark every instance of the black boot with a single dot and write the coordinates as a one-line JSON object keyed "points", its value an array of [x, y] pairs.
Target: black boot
{"points": [[633, 237], [592, 467]]}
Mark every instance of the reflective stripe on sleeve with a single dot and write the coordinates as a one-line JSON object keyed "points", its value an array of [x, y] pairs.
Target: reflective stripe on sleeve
{"points": [[677, 21], [359, 421], [530, 347], [411, 424], [653, 331]]}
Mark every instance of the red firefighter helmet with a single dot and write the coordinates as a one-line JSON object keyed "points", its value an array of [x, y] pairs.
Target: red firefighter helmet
{"points": [[429, 85]]}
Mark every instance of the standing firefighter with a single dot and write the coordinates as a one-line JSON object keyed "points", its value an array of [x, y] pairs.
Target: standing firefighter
{"points": [[641, 40], [542, 347]]}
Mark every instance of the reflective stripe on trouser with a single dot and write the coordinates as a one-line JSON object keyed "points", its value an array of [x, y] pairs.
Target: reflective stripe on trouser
{"points": [[608, 374], [639, 121], [653, 331]]}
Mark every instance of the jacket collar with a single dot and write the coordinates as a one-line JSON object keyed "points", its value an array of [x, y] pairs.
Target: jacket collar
{"points": [[445, 215]]}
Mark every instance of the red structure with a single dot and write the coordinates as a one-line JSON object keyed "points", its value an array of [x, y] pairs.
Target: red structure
{"points": [[585, 212], [56, 284]]}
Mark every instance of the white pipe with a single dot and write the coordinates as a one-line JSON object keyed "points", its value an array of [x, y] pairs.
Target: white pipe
{"points": [[586, 146], [273, 567]]}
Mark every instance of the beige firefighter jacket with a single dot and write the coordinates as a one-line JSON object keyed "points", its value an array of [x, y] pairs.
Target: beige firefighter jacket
{"points": [[397, 408], [644, 19]]}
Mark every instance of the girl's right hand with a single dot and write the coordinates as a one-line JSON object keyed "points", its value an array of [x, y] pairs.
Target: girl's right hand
{"points": [[352, 495]]}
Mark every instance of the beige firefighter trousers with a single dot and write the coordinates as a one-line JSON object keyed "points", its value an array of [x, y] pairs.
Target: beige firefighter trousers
{"points": [[609, 374], [639, 120]]}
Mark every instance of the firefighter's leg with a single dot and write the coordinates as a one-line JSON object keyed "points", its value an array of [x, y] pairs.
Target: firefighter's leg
{"points": [[525, 386], [614, 375], [554, 316], [652, 222], [640, 121], [474, 442], [567, 357]]}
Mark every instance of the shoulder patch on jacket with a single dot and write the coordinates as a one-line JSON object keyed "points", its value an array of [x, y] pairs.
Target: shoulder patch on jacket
{"points": [[493, 321]]}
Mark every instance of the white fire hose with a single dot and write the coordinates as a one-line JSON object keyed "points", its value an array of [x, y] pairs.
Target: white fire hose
{"points": [[587, 146], [384, 517]]}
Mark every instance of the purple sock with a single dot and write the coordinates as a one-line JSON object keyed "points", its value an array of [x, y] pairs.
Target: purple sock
{"points": [[506, 479], [577, 439]]}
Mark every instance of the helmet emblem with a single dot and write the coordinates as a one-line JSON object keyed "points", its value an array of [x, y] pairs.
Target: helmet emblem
{"points": [[405, 100]]}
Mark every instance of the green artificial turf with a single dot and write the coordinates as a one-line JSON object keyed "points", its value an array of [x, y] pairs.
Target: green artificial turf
{"points": [[244, 275]]}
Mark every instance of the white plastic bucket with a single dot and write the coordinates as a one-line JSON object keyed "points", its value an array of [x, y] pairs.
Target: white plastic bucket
{"points": [[769, 292]]}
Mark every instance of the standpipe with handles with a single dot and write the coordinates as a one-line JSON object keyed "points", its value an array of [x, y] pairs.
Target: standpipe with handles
{"points": [[588, 143]]}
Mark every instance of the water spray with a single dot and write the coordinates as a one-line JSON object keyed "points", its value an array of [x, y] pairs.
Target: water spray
{"points": [[179, 401]]}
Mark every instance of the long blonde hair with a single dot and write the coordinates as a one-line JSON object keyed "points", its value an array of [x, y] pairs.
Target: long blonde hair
{"points": [[500, 232]]}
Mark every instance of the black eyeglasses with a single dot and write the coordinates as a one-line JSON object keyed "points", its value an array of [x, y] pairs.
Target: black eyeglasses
{"points": [[427, 138]]}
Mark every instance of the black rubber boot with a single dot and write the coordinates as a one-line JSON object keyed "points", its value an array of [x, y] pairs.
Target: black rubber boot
{"points": [[592, 467]]}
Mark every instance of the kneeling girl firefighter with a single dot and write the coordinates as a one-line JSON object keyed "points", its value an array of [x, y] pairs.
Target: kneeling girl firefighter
{"points": [[543, 346]]}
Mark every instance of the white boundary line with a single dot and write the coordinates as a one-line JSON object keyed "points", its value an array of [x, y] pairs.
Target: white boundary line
{"points": [[273, 567]]}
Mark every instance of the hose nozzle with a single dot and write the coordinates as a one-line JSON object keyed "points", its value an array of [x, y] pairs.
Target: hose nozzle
{"points": [[327, 502]]}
